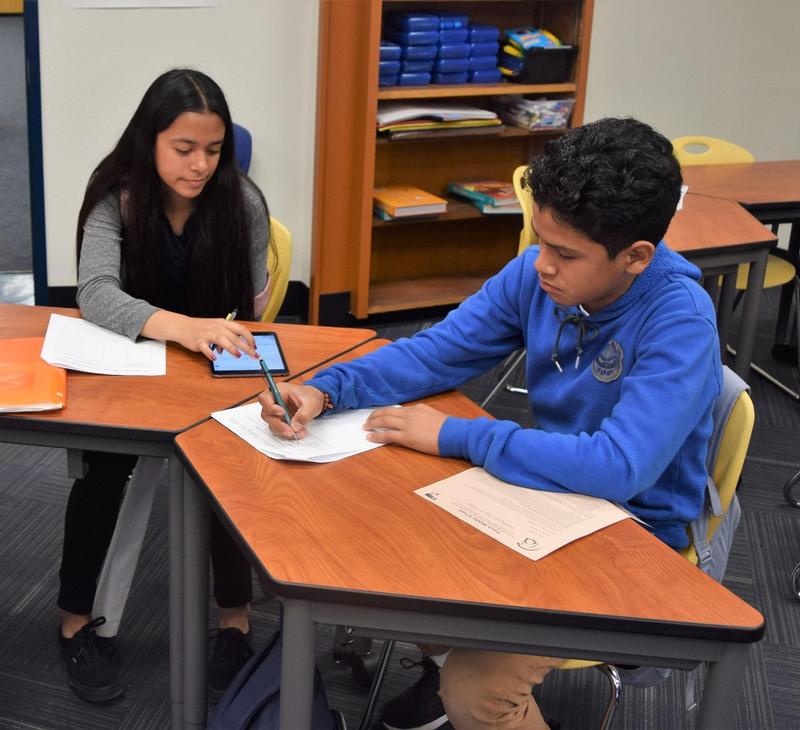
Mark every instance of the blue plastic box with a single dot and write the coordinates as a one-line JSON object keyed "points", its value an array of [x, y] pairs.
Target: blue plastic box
{"points": [[454, 50], [485, 76], [415, 79], [484, 49], [482, 63], [390, 51], [413, 21], [388, 80], [413, 37], [453, 35], [451, 65], [484, 33], [419, 53], [388, 68], [458, 78], [413, 67], [452, 20]]}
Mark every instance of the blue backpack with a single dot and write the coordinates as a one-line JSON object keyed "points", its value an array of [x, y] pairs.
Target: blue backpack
{"points": [[252, 701]]}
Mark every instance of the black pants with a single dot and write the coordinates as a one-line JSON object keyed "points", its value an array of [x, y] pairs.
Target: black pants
{"points": [[89, 523]]}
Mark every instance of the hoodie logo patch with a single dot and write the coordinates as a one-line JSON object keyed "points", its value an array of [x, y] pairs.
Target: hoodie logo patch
{"points": [[607, 366]]}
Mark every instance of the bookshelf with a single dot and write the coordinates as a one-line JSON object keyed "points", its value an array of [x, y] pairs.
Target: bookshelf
{"points": [[408, 264]]}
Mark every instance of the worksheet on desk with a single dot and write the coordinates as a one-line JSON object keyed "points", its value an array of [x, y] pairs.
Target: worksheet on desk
{"points": [[334, 437], [531, 522], [76, 344]]}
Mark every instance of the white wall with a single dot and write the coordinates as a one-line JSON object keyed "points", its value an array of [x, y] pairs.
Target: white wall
{"points": [[96, 65], [725, 68]]}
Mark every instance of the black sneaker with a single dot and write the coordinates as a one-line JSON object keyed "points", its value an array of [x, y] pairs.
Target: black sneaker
{"points": [[93, 672], [419, 707], [231, 652]]}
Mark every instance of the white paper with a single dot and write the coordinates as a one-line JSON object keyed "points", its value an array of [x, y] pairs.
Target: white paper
{"points": [[331, 438], [76, 344], [531, 522], [684, 190], [397, 111]]}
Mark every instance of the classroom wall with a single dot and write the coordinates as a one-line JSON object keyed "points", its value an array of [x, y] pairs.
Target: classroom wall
{"points": [[97, 63], [725, 68]]}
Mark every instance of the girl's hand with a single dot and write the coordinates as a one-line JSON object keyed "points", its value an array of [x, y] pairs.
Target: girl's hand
{"points": [[304, 401], [416, 427], [201, 334]]}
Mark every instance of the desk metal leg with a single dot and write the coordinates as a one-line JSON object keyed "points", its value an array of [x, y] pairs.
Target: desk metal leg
{"points": [[176, 663], [725, 309], [722, 688], [297, 666], [195, 604], [788, 289], [747, 333]]}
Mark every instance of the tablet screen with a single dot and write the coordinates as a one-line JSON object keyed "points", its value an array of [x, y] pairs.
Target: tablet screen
{"points": [[268, 347]]}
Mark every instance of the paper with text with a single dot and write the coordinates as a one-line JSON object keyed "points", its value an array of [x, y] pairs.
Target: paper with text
{"points": [[530, 521], [76, 344], [331, 438]]}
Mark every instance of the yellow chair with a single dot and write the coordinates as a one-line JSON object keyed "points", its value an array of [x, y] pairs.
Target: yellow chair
{"points": [[279, 263], [700, 150]]}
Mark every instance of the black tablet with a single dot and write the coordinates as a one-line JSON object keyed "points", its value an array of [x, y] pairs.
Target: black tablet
{"points": [[226, 365]]}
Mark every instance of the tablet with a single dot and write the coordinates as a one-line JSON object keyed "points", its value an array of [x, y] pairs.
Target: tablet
{"points": [[268, 346]]}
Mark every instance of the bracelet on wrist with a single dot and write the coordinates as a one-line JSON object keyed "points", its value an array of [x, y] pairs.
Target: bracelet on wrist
{"points": [[326, 403]]}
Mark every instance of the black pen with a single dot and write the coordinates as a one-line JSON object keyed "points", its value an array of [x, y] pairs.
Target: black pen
{"points": [[231, 316], [276, 395]]}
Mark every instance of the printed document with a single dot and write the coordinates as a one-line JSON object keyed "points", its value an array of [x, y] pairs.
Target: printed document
{"points": [[76, 344], [331, 438], [530, 521]]}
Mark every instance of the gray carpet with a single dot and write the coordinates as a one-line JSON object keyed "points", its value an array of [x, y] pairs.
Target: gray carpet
{"points": [[33, 693], [15, 221]]}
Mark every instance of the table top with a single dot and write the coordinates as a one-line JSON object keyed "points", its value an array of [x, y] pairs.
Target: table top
{"points": [[164, 405], [708, 224], [754, 184], [353, 531]]}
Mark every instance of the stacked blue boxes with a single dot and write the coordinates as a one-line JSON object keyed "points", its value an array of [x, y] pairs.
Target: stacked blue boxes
{"points": [[443, 48]]}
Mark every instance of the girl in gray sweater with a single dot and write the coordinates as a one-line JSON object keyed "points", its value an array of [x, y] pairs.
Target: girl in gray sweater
{"points": [[171, 237]]}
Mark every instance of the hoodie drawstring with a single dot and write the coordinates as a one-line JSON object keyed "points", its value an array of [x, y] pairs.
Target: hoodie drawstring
{"points": [[586, 329]]}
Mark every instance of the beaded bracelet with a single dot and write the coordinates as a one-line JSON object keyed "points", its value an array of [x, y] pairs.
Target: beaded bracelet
{"points": [[326, 403]]}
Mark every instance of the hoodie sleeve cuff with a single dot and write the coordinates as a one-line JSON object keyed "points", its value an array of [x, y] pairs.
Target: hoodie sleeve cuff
{"points": [[453, 438]]}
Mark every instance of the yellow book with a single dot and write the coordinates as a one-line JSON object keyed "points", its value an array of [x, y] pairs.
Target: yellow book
{"points": [[28, 383], [405, 200]]}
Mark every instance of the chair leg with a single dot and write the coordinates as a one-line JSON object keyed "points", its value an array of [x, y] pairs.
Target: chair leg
{"points": [[796, 581], [615, 684], [791, 483], [375, 689], [517, 359]]}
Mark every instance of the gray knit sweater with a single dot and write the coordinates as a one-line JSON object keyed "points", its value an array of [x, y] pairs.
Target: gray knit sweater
{"points": [[100, 295]]}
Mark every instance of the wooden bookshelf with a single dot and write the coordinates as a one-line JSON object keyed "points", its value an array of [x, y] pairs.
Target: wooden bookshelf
{"points": [[414, 263]]}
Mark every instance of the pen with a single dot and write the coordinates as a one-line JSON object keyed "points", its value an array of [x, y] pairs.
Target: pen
{"points": [[276, 395], [231, 316]]}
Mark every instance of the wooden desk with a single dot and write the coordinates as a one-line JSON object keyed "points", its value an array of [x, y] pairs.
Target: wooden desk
{"points": [[770, 191], [717, 235], [350, 543], [142, 415]]}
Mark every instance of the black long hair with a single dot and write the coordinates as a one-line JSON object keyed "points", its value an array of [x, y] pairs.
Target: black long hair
{"points": [[220, 276]]}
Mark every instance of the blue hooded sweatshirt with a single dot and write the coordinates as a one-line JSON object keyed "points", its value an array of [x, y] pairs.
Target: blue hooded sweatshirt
{"points": [[622, 397]]}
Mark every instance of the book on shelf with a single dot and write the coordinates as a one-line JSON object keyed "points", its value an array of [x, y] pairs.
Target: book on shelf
{"points": [[514, 209], [437, 132], [28, 383], [391, 112], [429, 124], [402, 201], [493, 193]]}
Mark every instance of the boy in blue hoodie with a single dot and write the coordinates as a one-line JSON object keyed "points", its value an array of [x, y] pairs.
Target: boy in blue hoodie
{"points": [[622, 370]]}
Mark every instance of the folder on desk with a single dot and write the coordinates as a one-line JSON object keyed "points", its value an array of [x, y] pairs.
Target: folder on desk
{"points": [[28, 383]]}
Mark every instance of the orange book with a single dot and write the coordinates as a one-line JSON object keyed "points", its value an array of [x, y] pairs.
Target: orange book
{"points": [[404, 200], [28, 383]]}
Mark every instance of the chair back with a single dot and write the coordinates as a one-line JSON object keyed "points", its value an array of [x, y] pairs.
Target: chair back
{"points": [[727, 469], [699, 150], [279, 263], [526, 235], [243, 146]]}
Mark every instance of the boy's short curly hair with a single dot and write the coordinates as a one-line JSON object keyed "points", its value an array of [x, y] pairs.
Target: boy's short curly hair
{"points": [[616, 181]]}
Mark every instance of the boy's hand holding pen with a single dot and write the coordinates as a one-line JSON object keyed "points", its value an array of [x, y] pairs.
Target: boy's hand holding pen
{"points": [[273, 389], [306, 402]]}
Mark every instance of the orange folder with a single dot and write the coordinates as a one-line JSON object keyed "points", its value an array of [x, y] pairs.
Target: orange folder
{"points": [[28, 383], [405, 200]]}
